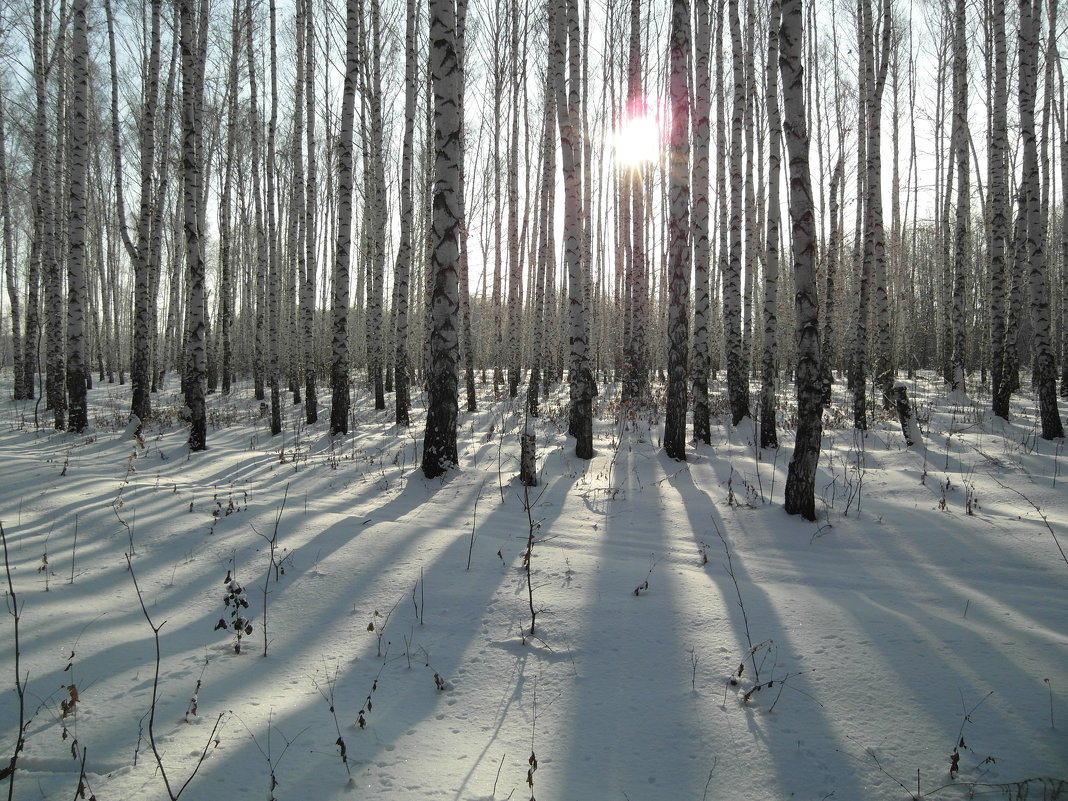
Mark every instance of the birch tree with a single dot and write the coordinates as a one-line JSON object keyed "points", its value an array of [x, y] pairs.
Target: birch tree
{"points": [[568, 93], [737, 371], [306, 17], [8, 255], [1064, 236], [141, 252], [192, 192], [1045, 369], [961, 244], [52, 233], [339, 362], [997, 236], [702, 251], [439, 442], [543, 264], [227, 249], [77, 369], [768, 436], [636, 371], [375, 205], [801, 475], [274, 266], [678, 329], [405, 251], [873, 277], [515, 260]]}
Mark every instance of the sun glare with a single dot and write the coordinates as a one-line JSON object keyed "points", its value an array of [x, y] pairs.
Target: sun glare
{"points": [[636, 141]]}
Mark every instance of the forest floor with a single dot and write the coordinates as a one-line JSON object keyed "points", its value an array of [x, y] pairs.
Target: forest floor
{"points": [[692, 640]]}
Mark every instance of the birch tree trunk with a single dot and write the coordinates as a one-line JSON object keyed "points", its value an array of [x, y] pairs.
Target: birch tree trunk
{"points": [[77, 368], [402, 270], [339, 364], [768, 436], [40, 195], [737, 370], [1064, 237], [375, 211], [636, 374], [263, 250], [515, 261], [834, 250], [274, 261], [227, 251], [801, 476], [21, 392], [702, 252], [961, 244], [568, 93], [439, 442], [311, 220], [723, 210], [499, 61], [52, 268], [1045, 368], [192, 166], [678, 328], [543, 263], [467, 344], [997, 161]]}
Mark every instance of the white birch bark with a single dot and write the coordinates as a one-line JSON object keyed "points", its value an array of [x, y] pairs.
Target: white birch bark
{"points": [[339, 362], [768, 435], [439, 442], [7, 232], [53, 233], [679, 263], [498, 47], [76, 361], [636, 379], [997, 169], [737, 370], [1045, 375], [263, 250], [311, 220], [274, 259], [701, 214], [801, 475], [405, 251], [375, 212], [40, 196], [830, 296], [961, 243], [515, 260], [227, 251], [196, 333], [568, 92], [1064, 236]]}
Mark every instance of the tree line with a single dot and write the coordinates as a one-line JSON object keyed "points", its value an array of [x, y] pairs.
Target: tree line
{"points": [[410, 194]]}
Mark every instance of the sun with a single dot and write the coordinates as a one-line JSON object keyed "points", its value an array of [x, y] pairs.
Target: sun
{"points": [[636, 141]]}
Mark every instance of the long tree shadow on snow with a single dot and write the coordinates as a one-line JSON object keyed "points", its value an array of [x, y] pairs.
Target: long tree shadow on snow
{"points": [[797, 741]]}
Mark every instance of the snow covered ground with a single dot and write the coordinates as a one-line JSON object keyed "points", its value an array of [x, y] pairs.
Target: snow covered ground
{"points": [[924, 615]]}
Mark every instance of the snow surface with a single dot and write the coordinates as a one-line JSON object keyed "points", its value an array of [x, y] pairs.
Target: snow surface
{"points": [[926, 607]]}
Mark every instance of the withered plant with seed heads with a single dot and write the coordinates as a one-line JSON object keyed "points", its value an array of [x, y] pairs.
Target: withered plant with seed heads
{"points": [[235, 600]]}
